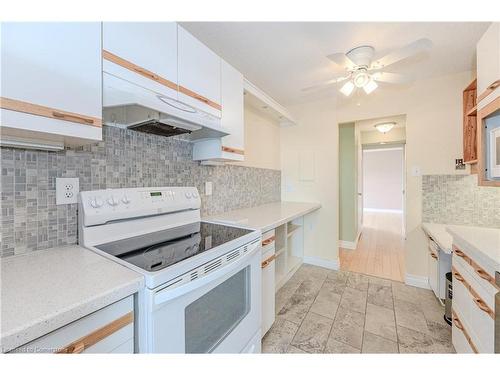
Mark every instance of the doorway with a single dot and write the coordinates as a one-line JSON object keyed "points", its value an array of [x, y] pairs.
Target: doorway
{"points": [[380, 205]]}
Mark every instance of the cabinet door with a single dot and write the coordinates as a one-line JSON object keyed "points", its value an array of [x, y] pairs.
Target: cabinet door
{"points": [[143, 52], [51, 77], [488, 61], [232, 109], [199, 74], [433, 272], [268, 289]]}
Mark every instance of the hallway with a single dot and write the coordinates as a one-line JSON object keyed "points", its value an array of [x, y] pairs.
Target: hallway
{"points": [[380, 250]]}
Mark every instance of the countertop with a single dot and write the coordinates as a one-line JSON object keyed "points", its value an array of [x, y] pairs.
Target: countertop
{"points": [[265, 217], [482, 244], [440, 235], [47, 289]]}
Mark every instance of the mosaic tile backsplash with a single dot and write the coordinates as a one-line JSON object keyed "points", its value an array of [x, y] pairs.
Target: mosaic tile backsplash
{"points": [[31, 220], [457, 199]]}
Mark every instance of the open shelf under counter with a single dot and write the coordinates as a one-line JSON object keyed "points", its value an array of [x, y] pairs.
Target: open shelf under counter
{"points": [[292, 228]]}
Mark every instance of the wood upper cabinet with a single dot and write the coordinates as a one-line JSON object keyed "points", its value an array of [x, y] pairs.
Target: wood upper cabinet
{"points": [[142, 52], [199, 74], [470, 124], [51, 81], [488, 65]]}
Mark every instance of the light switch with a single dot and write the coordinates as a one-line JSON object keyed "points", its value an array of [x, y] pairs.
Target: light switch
{"points": [[208, 188]]}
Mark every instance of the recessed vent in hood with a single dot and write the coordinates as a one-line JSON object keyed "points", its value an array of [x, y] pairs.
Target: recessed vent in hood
{"points": [[134, 107]]}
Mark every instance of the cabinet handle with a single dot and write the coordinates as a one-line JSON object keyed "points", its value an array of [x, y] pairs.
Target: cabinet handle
{"points": [[268, 261], [267, 241], [483, 274], [458, 324], [494, 85], [458, 276], [67, 117], [483, 306], [434, 255]]}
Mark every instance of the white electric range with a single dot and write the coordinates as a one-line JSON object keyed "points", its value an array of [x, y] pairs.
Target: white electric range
{"points": [[203, 280]]}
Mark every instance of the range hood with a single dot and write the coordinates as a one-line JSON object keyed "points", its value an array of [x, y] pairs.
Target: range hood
{"points": [[130, 106]]}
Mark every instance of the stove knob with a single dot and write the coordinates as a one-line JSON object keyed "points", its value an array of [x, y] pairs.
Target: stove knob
{"points": [[112, 201], [95, 202], [195, 195], [125, 199], [188, 195]]}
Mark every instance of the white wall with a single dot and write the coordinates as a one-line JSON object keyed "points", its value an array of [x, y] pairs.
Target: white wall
{"points": [[383, 179], [433, 140], [262, 141]]}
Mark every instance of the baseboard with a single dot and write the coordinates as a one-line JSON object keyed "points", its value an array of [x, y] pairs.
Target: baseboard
{"points": [[417, 281], [382, 210], [315, 261], [351, 245]]}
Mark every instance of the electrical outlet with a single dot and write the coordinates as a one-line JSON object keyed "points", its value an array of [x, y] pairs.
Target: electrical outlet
{"points": [[67, 190], [208, 188]]}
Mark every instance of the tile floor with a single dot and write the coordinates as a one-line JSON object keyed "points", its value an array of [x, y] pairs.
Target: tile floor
{"points": [[325, 311]]}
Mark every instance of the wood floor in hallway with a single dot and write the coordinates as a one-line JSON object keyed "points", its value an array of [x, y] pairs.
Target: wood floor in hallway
{"points": [[380, 250]]}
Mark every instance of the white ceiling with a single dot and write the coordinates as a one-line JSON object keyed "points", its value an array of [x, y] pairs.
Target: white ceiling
{"points": [[284, 57]]}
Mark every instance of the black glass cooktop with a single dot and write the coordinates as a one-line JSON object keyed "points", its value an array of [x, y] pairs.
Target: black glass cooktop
{"points": [[157, 250]]}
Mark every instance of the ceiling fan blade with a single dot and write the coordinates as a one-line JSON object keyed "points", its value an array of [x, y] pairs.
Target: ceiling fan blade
{"points": [[342, 60], [325, 83], [411, 49], [389, 77]]}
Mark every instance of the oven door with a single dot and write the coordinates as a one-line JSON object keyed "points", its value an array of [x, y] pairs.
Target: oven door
{"points": [[219, 312]]}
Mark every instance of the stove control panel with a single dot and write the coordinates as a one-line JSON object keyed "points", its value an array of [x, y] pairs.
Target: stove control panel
{"points": [[102, 206]]}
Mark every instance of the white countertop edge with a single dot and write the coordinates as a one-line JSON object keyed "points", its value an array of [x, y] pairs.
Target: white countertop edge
{"points": [[316, 206], [46, 324], [490, 264], [439, 235]]}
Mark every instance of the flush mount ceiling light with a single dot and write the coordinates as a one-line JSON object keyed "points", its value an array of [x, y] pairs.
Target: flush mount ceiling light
{"points": [[385, 127]]}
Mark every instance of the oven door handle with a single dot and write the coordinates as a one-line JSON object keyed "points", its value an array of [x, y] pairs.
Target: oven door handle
{"points": [[170, 294]]}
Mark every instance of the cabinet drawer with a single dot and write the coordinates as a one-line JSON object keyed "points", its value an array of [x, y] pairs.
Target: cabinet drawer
{"points": [[482, 275], [268, 241], [100, 332], [459, 337]]}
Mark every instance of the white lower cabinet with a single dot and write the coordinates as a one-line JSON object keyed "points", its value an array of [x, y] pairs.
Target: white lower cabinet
{"points": [[268, 280], [108, 330], [473, 306], [439, 264]]}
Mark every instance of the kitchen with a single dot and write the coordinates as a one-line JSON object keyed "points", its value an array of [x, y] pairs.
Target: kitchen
{"points": [[177, 207]]}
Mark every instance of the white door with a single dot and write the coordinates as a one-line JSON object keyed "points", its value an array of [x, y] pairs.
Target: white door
{"points": [[268, 288], [199, 72], [55, 65], [152, 49], [360, 186]]}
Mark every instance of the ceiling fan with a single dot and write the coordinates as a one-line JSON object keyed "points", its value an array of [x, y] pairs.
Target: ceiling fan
{"points": [[363, 71]]}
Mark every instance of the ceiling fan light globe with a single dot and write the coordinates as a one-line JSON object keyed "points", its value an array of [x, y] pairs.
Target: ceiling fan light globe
{"points": [[370, 86], [347, 88], [361, 79]]}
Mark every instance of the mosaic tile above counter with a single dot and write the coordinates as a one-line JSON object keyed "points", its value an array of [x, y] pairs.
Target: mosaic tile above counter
{"points": [[457, 199], [32, 221]]}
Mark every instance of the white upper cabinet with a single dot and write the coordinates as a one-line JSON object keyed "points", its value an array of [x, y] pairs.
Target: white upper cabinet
{"points": [[51, 81], [142, 52], [230, 147], [199, 74], [488, 65]]}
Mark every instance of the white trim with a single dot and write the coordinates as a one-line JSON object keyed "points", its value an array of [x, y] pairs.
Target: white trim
{"points": [[379, 149], [351, 245], [382, 210], [417, 281], [315, 261]]}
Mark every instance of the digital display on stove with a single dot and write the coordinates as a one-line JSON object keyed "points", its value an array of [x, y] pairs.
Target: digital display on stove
{"points": [[155, 194]]}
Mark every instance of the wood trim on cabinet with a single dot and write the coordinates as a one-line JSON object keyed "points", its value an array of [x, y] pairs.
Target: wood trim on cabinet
{"points": [[269, 240], [155, 77], [268, 261], [477, 268], [488, 90], [475, 296], [458, 323], [199, 97], [100, 334], [233, 150], [138, 69], [54, 113], [481, 140]]}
